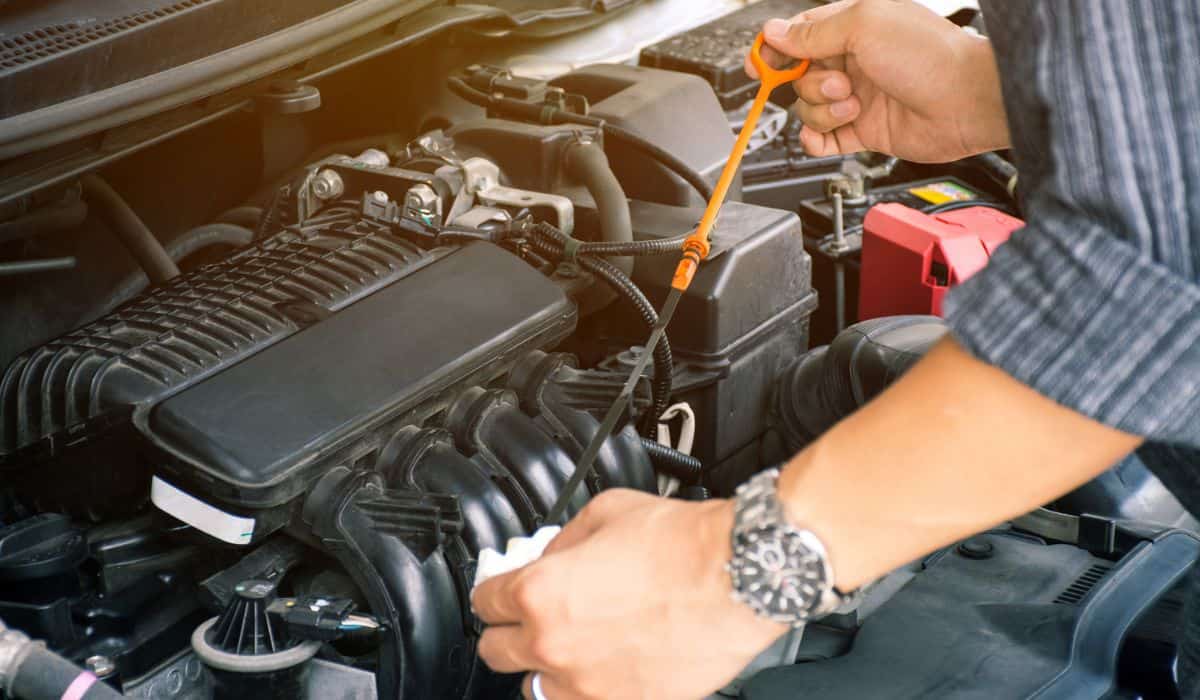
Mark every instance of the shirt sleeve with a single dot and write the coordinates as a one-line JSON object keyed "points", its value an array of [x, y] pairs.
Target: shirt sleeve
{"points": [[1095, 304]]}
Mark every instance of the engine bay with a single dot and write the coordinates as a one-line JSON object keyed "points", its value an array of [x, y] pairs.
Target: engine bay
{"points": [[378, 320]]}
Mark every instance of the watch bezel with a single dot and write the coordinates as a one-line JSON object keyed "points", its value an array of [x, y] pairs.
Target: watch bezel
{"points": [[760, 526], [801, 553]]}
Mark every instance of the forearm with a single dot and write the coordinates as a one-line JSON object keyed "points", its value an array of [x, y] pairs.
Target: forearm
{"points": [[953, 448]]}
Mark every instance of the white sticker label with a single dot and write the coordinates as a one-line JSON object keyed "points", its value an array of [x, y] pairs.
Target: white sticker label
{"points": [[208, 519]]}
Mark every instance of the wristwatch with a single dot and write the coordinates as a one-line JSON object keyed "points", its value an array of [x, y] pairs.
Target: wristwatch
{"points": [[782, 572]]}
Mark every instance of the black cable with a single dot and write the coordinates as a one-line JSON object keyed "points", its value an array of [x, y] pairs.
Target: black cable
{"points": [[130, 229], [955, 206], [698, 182], [588, 460], [672, 462], [664, 365], [549, 115], [25, 267], [662, 246]]}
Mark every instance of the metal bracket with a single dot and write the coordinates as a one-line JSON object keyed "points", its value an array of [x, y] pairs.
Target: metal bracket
{"points": [[480, 182]]}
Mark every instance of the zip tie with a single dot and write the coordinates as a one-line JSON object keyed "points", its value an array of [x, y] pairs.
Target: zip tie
{"points": [[571, 248]]}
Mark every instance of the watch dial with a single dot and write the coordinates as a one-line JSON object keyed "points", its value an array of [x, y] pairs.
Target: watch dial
{"points": [[782, 573]]}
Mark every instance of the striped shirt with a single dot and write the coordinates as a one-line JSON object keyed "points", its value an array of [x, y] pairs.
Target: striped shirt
{"points": [[1096, 303]]}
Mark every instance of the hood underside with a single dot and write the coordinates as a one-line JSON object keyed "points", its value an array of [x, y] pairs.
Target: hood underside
{"points": [[69, 62]]}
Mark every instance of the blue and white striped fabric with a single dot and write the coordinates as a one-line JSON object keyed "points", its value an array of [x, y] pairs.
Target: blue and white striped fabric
{"points": [[1096, 304]]}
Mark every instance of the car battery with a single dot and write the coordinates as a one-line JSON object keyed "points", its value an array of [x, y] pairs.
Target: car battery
{"points": [[910, 259], [928, 195]]}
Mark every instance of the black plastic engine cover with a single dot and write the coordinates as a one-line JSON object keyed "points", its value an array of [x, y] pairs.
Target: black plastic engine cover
{"points": [[85, 418], [261, 431]]}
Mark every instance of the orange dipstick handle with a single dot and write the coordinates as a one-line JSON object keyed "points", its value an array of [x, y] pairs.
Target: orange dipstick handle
{"points": [[696, 247]]}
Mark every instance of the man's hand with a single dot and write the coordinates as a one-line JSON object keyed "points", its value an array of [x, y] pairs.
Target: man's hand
{"points": [[631, 601], [893, 77]]}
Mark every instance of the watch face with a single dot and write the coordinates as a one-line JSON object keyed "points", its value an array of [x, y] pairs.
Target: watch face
{"points": [[778, 572]]}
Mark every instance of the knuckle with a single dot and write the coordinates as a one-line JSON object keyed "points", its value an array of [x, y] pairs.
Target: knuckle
{"points": [[526, 594], [803, 33], [548, 652], [604, 499], [487, 648], [814, 118]]}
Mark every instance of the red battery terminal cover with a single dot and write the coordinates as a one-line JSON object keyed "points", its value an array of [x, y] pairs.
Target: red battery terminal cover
{"points": [[910, 259]]}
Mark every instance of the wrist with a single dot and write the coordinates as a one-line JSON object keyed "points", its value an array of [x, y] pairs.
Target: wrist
{"points": [[717, 539], [804, 493], [983, 122]]}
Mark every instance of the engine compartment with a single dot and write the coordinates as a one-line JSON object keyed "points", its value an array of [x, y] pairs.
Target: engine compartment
{"points": [[397, 322]]}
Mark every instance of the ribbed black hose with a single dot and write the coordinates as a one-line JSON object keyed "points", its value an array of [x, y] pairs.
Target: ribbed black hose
{"points": [[672, 462], [147, 250], [662, 246], [664, 364], [52, 218], [540, 114]]}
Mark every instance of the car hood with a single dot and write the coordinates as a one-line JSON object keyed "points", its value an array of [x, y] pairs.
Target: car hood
{"points": [[73, 67]]}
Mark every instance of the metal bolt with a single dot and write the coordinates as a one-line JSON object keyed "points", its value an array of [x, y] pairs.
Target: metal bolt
{"points": [[328, 185], [380, 196], [101, 666], [421, 198]]}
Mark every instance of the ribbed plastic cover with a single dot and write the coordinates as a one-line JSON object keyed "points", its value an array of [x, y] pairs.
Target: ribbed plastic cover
{"points": [[196, 325]]}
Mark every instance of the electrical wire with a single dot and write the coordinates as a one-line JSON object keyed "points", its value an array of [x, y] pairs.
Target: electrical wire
{"points": [[695, 250], [546, 243]]}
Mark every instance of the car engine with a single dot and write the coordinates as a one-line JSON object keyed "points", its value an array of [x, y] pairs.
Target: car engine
{"points": [[257, 452]]}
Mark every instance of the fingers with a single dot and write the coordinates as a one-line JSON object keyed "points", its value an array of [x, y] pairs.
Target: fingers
{"points": [[780, 59], [824, 118], [506, 649], [841, 141], [824, 87], [817, 35], [509, 598], [503, 600]]}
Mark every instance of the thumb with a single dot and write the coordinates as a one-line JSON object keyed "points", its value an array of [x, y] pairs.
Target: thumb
{"points": [[817, 38]]}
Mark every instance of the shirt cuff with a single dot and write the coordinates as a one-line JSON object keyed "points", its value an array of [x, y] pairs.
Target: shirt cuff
{"points": [[1081, 317]]}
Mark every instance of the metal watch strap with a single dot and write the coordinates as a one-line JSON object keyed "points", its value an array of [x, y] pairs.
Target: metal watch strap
{"points": [[757, 510]]}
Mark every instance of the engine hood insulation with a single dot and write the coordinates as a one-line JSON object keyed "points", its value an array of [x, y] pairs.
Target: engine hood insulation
{"points": [[72, 67]]}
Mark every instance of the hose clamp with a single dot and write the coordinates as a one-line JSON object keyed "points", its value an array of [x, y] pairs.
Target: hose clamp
{"points": [[14, 647], [571, 248]]}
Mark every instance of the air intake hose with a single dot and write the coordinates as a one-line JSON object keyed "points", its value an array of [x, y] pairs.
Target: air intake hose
{"points": [[586, 162]]}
